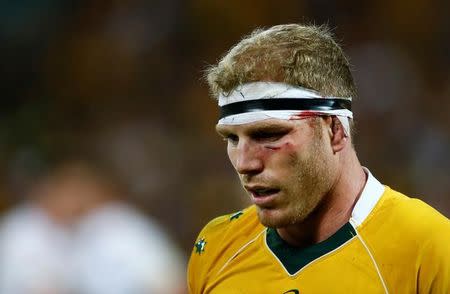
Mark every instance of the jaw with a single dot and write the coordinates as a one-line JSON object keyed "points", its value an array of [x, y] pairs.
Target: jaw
{"points": [[270, 217], [290, 213], [275, 217]]}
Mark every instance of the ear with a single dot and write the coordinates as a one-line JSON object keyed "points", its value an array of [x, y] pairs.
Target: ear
{"points": [[338, 139]]}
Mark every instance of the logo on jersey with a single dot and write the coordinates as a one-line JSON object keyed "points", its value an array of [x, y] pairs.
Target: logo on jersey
{"points": [[292, 291], [236, 215], [200, 246]]}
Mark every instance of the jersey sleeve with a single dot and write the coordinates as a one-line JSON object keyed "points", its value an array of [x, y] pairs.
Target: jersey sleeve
{"points": [[217, 243], [204, 254], [434, 269]]}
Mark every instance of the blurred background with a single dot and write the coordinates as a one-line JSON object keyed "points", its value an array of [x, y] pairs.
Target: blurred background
{"points": [[107, 98]]}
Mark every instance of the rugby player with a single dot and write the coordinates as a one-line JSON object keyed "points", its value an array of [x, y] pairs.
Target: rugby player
{"points": [[320, 222]]}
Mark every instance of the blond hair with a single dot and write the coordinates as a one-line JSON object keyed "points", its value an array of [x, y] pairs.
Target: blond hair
{"points": [[300, 55]]}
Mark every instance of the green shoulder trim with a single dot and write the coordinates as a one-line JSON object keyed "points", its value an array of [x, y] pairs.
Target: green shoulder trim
{"points": [[294, 258], [236, 215]]}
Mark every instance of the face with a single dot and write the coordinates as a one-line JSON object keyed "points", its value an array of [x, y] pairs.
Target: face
{"points": [[287, 167]]}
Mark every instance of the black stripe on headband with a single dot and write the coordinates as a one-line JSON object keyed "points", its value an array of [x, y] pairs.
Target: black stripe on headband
{"points": [[313, 104]]}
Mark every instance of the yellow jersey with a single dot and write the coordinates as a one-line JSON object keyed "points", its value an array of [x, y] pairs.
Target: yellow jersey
{"points": [[391, 244]]}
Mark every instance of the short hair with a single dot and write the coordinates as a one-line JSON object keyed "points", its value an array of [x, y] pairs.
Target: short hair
{"points": [[299, 55]]}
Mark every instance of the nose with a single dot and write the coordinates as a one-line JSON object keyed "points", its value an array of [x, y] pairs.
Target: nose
{"points": [[248, 160]]}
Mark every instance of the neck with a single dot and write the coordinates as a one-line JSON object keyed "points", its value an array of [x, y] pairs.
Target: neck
{"points": [[334, 211]]}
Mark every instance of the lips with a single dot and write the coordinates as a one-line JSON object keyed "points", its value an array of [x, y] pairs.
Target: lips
{"points": [[262, 195], [262, 192]]}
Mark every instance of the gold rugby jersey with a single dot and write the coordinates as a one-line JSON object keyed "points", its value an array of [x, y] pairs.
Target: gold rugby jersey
{"points": [[391, 244]]}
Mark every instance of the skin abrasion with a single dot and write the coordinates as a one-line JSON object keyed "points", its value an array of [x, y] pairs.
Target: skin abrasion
{"points": [[286, 158]]}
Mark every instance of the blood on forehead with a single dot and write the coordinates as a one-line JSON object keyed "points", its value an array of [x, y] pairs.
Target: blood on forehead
{"points": [[304, 114]]}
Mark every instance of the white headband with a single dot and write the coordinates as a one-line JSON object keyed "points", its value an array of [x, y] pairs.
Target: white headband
{"points": [[271, 90]]}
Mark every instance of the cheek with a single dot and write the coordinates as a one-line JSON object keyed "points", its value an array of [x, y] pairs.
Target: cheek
{"points": [[286, 146], [231, 156], [282, 154]]}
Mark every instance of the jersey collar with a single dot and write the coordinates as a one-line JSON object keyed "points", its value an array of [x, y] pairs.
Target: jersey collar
{"points": [[372, 192]]}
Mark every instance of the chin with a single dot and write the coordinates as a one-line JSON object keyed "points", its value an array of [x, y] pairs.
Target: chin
{"points": [[276, 218]]}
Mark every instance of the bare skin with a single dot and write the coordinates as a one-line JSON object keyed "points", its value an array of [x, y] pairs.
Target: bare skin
{"points": [[70, 192], [303, 175]]}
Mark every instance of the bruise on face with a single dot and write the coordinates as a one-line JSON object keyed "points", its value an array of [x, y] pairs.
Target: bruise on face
{"points": [[269, 135], [265, 132]]}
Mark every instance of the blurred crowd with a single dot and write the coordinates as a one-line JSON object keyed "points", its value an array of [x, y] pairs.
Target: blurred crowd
{"points": [[118, 84]]}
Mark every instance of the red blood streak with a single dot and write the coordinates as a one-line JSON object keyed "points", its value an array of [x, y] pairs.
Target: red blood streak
{"points": [[304, 114]]}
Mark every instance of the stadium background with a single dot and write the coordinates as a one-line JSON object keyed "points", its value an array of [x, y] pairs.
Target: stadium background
{"points": [[121, 81]]}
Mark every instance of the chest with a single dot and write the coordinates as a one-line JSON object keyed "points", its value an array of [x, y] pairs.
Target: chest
{"points": [[346, 269]]}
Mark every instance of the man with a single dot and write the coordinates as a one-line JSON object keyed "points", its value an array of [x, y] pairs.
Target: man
{"points": [[320, 222], [76, 233]]}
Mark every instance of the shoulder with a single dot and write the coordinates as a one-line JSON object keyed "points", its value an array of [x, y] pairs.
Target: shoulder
{"points": [[218, 241], [426, 233], [413, 224], [414, 215], [25, 224], [410, 236], [225, 225], [228, 231], [408, 223]]}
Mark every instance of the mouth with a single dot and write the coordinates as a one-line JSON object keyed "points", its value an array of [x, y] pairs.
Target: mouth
{"points": [[262, 196]]}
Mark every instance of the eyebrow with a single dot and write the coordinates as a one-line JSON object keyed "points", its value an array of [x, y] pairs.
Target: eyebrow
{"points": [[269, 128], [222, 131]]}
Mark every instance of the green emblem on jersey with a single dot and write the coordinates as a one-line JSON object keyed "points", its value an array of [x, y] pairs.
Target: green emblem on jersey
{"points": [[200, 246], [292, 291], [236, 215]]}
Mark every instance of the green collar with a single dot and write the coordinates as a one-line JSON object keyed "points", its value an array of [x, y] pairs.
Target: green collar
{"points": [[294, 258]]}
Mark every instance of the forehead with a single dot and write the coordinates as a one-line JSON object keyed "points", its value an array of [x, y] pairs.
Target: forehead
{"points": [[264, 125]]}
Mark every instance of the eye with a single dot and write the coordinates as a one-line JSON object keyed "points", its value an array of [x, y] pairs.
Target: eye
{"points": [[269, 136]]}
